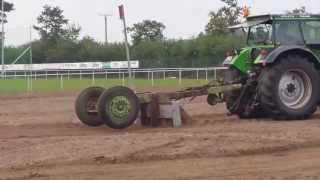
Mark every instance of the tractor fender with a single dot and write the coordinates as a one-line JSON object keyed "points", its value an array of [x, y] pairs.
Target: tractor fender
{"points": [[285, 50]]}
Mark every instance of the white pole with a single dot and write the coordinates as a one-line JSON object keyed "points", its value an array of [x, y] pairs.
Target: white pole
{"points": [[206, 74], [152, 78], [215, 74], [126, 44], [106, 28], [2, 37], [123, 82], [197, 74], [61, 82], [180, 77], [93, 78], [31, 60]]}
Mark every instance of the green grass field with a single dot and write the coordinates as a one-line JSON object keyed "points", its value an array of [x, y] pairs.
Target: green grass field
{"points": [[14, 86]]}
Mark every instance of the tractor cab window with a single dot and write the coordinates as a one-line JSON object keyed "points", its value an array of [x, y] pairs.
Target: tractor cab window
{"points": [[288, 33], [260, 34], [311, 31]]}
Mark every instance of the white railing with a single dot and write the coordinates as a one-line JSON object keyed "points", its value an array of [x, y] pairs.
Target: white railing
{"points": [[151, 74]]}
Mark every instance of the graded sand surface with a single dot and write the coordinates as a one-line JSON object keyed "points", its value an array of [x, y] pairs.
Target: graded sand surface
{"points": [[41, 138]]}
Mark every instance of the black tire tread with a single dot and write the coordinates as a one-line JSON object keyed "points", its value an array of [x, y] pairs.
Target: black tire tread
{"points": [[267, 84], [104, 99], [80, 106]]}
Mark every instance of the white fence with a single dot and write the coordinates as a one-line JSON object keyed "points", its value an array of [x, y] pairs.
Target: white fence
{"points": [[149, 74]]}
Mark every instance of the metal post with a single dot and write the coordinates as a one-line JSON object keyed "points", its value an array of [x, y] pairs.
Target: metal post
{"points": [[207, 74], [68, 75], [180, 76], [80, 75], [61, 82], [152, 78], [106, 26], [106, 29], [164, 75], [2, 36], [106, 75], [123, 82], [215, 74], [197, 74], [93, 78], [28, 84], [31, 59]]}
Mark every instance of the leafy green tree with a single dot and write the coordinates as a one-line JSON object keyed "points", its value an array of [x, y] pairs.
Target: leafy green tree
{"points": [[7, 8], [52, 25], [57, 37], [298, 11], [226, 16], [148, 30]]}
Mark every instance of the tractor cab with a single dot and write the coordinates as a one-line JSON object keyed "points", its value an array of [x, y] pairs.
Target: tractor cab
{"points": [[282, 30], [270, 35]]}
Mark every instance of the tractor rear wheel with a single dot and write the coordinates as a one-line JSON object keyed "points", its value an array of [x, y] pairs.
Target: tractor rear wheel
{"points": [[86, 106], [119, 107], [290, 88]]}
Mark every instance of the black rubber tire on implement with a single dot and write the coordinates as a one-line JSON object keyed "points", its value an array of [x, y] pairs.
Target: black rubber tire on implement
{"points": [[89, 95], [268, 88], [106, 110]]}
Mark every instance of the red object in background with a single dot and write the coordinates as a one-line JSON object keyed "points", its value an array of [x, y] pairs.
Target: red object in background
{"points": [[121, 11]]}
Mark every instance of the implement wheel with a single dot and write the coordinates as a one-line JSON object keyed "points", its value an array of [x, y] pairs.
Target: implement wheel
{"points": [[119, 107], [86, 106]]}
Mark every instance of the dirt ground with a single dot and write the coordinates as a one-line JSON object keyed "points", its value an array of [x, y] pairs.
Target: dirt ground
{"points": [[41, 138]]}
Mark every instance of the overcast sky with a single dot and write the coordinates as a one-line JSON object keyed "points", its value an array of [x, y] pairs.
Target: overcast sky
{"points": [[183, 18]]}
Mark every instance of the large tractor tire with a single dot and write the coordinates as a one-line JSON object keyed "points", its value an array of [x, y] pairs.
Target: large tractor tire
{"points": [[86, 106], [119, 107], [289, 89]]}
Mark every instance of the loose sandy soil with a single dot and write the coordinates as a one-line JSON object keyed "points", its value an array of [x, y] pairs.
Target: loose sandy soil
{"points": [[41, 138]]}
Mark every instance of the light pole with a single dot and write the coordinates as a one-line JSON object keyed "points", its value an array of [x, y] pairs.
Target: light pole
{"points": [[106, 26], [2, 37]]}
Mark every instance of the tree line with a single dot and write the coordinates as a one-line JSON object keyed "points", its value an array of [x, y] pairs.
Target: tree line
{"points": [[60, 42]]}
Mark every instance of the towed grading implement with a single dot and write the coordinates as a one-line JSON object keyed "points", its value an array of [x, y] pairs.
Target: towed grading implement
{"points": [[119, 107], [277, 75]]}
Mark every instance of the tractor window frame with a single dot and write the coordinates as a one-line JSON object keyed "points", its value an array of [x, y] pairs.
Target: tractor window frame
{"points": [[303, 29], [271, 34], [300, 41]]}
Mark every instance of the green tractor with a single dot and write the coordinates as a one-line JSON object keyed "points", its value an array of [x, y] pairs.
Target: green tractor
{"points": [[279, 70], [277, 75]]}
